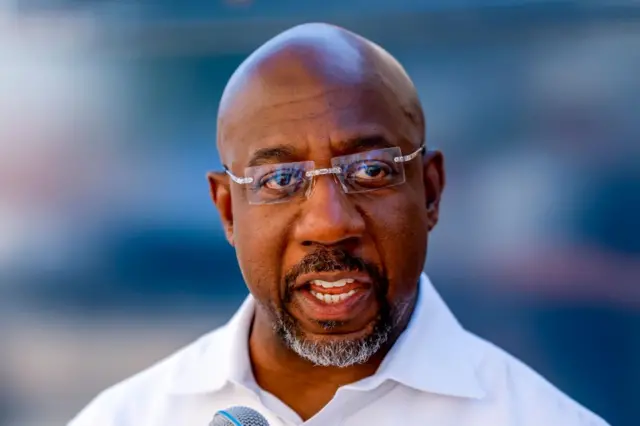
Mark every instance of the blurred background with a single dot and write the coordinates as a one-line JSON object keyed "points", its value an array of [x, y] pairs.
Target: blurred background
{"points": [[112, 256]]}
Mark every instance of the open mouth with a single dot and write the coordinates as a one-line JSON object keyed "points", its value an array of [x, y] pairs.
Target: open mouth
{"points": [[338, 295], [333, 292]]}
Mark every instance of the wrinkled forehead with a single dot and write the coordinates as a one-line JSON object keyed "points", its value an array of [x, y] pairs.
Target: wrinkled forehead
{"points": [[315, 122]]}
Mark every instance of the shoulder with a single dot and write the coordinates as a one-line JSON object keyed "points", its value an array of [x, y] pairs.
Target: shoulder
{"points": [[126, 400], [520, 390]]}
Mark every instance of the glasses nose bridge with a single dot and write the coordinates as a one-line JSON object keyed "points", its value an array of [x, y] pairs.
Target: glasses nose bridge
{"points": [[334, 172]]}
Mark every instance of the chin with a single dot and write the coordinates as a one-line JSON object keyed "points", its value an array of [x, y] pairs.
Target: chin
{"points": [[339, 331], [334, 344], [340, 349]]}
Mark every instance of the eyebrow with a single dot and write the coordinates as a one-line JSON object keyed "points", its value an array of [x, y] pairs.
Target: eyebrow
{"points": [[285, 153], [274, 154], [363, 143]]}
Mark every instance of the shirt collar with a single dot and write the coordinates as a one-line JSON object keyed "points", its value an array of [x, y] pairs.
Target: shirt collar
{"points": [[434, 354], [217, 358]]}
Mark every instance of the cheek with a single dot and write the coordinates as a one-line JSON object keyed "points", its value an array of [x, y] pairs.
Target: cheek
{"points": [[400, 233], [260, 238]]}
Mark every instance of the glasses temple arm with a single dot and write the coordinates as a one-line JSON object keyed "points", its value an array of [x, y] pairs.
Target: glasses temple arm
{"points": [[409, 157], [236, 179]]}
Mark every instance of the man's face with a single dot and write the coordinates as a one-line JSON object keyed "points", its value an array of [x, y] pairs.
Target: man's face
{"points": [[335, 273]]}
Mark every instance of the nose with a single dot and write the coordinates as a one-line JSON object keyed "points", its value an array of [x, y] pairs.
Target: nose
{"points": [[329, 218]]}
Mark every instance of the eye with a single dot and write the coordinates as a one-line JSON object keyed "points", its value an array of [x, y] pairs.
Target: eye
{"points": [[282, 180], [370, 171]]}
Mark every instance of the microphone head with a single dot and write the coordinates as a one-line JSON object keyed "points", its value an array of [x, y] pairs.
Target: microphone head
{"points": [[238, 416]]}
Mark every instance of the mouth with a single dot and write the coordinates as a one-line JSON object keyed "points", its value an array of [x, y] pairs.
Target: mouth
{"points": [[333, 292], [335, 295]]}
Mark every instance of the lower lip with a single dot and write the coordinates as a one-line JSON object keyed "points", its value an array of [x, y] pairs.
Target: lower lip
{"points": [[344, 309]]}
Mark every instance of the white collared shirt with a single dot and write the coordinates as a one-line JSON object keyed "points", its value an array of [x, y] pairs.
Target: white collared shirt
{"points": [[437, 373]]}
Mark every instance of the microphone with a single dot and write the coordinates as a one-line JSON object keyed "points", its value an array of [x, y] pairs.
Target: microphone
{"points": [[238, 416]]}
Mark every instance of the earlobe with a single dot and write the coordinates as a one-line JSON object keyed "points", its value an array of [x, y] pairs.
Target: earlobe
{"points": [[432, 216], [434, 180], [221, 196]]}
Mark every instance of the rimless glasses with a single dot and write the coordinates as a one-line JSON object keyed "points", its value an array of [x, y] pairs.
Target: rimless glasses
{"points": [[362, 172]]}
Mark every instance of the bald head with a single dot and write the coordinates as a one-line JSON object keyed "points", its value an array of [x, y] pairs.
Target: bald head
{"points": [[308, 61]]}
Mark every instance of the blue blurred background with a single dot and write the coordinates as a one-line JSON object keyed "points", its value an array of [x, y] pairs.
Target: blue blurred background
{"points": [[111, 254]]}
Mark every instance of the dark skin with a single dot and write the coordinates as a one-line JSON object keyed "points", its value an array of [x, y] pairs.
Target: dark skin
{"points": [[313, 93]]}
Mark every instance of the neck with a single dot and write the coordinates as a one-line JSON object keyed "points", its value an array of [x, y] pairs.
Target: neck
{"points": [[303, 386]]}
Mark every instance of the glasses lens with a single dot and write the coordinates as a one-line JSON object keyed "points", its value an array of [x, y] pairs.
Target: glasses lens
{"points": [[370, 170], [277, 183]]}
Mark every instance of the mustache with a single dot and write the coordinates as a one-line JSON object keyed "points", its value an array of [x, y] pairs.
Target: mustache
{"points": [[334, 260]]}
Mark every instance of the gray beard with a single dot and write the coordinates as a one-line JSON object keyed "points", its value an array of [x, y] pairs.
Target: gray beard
{"points": [[339, 353]]}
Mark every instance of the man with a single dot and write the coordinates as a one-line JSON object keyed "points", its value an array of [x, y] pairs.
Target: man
{"points": [[328, 196]]}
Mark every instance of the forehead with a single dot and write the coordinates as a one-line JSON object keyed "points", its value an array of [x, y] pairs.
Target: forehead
{"points": [[315, 121]]}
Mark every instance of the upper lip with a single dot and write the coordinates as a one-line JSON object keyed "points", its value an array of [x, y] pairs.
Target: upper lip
{"points": [[305, 279]]}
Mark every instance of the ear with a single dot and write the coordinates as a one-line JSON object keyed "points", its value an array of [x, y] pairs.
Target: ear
{"points": [[434, 180], [221, 196]]}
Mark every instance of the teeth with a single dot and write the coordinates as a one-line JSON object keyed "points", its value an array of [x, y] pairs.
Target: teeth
{"points": [[333, 298], [331, 284]]}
